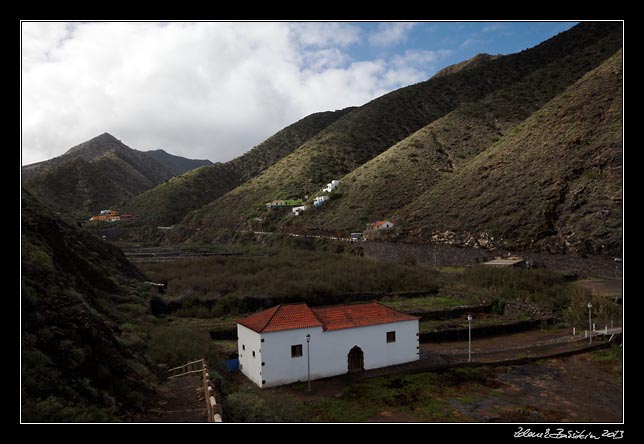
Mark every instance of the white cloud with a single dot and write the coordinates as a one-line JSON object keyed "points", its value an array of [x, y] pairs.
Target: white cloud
{"points": [[391, 33], [322, 34], [469, 42], [201, 90], [415, 65], [419, 57]]}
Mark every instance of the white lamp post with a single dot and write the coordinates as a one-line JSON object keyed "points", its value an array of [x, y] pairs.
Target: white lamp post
{"points": [[308, 361], [590, 322], [469, 346]]}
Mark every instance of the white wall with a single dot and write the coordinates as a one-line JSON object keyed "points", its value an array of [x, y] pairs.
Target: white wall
{"points": [[249, 365], [330, 349]]}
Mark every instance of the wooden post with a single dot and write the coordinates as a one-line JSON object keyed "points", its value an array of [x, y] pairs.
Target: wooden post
{"points": [[213, 406], [205, 391], [573, 331]]}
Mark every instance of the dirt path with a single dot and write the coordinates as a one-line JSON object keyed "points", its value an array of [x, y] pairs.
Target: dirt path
{"points": [[178, 400]]}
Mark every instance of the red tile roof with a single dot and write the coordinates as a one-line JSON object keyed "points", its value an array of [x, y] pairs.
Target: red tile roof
{"points": [[336, 317], [333, 317], [281, 317]]}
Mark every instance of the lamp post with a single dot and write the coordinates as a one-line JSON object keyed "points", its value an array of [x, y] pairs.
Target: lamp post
{"points": [[308, 361], [469, 331], [590, 322]]}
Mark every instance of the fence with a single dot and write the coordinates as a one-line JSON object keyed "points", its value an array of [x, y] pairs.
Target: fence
{"points": [[200, 366]]}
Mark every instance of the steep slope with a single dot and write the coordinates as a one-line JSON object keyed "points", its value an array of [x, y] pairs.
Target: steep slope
{"points": [[92, 176], [77, 364], [553, 183], [169, 202], [176, 164], [399, 175], [371, 129]]}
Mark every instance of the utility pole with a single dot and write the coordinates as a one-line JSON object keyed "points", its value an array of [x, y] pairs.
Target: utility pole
{"points": [[308, 361], [469, 345]]}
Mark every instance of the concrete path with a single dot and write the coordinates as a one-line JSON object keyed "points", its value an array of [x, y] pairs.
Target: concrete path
{"points": [[519, 354]]}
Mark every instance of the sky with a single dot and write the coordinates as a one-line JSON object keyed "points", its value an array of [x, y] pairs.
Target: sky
{"points": [[214, 90]]}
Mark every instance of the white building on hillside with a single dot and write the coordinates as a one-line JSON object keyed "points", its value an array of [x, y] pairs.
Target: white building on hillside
{"points": [[298, 210], [273, 346], [331, 186], [320, 200]]}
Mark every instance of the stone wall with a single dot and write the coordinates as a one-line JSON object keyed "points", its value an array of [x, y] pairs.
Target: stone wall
{"points": [[438, 255], [441, 255]]}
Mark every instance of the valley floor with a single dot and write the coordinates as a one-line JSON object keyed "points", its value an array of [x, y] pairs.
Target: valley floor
{"points": [[580, 388]]}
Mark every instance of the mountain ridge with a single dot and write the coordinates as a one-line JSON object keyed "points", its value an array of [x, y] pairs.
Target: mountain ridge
{"points": [[358, 137], [96, 174], [439, 149]]}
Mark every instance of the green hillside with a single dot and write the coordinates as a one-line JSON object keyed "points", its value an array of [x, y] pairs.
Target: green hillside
{"points": [[78, 293], [553, 183], [375, 127], [396, 177], [169, 202]]}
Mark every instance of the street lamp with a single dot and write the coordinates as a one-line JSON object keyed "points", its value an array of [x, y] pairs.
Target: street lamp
{"points": [[308, 361], [469, 330], [590, 322]]}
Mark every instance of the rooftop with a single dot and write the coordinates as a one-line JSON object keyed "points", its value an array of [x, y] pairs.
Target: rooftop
{"points": [[332, 317]]}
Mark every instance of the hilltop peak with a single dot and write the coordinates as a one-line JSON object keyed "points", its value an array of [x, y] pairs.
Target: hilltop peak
{"points": [[106, 137], [97, 146]]}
